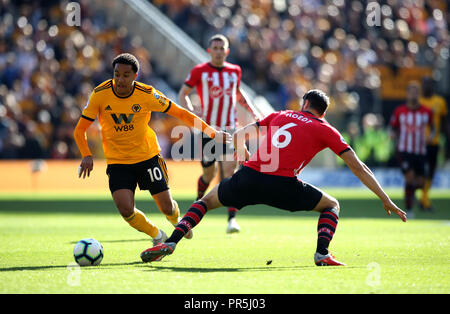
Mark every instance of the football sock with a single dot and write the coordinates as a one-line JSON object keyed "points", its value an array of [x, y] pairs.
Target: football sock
{"points": [[202, 186], [174, 217], [410, 189], [232, 212], [426, 203], [140, 222], [326, 228], [159, 235], [190, 220]]}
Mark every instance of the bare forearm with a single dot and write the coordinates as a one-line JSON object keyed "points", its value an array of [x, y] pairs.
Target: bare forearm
{"points": [[368, 179], [185, 102], [364, 174], [184, 99]]}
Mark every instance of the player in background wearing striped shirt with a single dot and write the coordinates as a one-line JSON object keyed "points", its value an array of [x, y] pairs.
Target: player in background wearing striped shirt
{"points": [[409, 123], [217, 84]]}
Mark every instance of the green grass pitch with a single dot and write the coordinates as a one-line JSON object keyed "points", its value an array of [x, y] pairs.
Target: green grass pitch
{"points": [[383, 255]]}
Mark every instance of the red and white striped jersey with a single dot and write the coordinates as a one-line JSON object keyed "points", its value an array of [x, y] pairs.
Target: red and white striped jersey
{"points": [[292, 139], [217, 89], [410, 125]]}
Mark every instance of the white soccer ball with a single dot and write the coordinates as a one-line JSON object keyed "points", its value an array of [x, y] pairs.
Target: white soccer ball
{"points": [[88, 252]]}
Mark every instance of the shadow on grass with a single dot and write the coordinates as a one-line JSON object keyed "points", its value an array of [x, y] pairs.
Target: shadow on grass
{"points": [[120, 241], [155, 267], [352, 208], [49, 267], [239, 269]]}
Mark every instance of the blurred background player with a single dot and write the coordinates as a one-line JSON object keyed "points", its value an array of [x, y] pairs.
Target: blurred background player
{"points": [[218, 85], [409, 123], [123, 107], [438, 105]]}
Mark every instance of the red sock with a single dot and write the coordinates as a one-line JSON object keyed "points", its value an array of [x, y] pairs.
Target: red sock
{"points": [[232, 212], [326, 227], [202, 186], [192, 218]]}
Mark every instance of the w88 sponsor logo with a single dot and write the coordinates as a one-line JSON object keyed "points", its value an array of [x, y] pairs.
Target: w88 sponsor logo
{"points": [[124, 128], [123, 118]]}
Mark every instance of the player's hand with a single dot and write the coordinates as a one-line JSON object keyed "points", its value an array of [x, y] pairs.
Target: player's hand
{"points": [[86, 166], [223, 137], [389, 206], [241, 155]]}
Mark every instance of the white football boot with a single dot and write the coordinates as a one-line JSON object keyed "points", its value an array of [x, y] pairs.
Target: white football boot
{"points": [[233, 226]]}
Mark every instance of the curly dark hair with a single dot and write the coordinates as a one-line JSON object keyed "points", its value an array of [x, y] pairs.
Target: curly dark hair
{"points": [[127, 58]]}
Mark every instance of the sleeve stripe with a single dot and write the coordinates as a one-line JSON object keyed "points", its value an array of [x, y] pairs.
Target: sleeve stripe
{"points": [[345, 150], [148, 91], [168, 107], [188, 85], [102, 87], [87, 118]]}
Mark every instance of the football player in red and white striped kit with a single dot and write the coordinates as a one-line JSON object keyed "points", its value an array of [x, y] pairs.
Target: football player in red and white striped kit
{"points": [[409, 122], [217, 84], [292, 139]]}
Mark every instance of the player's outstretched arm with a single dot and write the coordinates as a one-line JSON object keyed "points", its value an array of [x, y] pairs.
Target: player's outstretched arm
{"points": [[196, 122], [367, 177], [79, 135]]}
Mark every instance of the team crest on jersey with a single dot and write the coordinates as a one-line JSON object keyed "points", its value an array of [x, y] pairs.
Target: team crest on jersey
{"points": [[136, 108]]}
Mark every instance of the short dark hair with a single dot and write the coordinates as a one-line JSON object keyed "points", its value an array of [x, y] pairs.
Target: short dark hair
{"points": [[219, 37], [413, 83], [127, 58], [318, 100]]}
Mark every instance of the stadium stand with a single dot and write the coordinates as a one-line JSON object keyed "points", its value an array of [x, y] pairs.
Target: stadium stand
{"points": [[47, 71], [285, 47]]}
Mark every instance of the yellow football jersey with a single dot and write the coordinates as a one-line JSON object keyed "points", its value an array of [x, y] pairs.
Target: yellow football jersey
{"points": [[439, 107], [126, 136]]}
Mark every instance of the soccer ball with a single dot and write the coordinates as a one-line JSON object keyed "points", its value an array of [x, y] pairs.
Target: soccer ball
{"points": [[88, 252]]}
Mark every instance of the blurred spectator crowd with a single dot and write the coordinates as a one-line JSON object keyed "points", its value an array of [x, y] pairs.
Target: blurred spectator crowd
{"points": [[360, 54], [47, 72], [285, 47]]}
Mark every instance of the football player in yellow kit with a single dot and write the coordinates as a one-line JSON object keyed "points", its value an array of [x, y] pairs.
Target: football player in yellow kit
{"points": [[439, 107], [123, 107]]}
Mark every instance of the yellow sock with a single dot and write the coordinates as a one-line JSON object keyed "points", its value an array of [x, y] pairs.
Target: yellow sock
{"points": [[140, 222], [425, 198], [174, 218]]}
